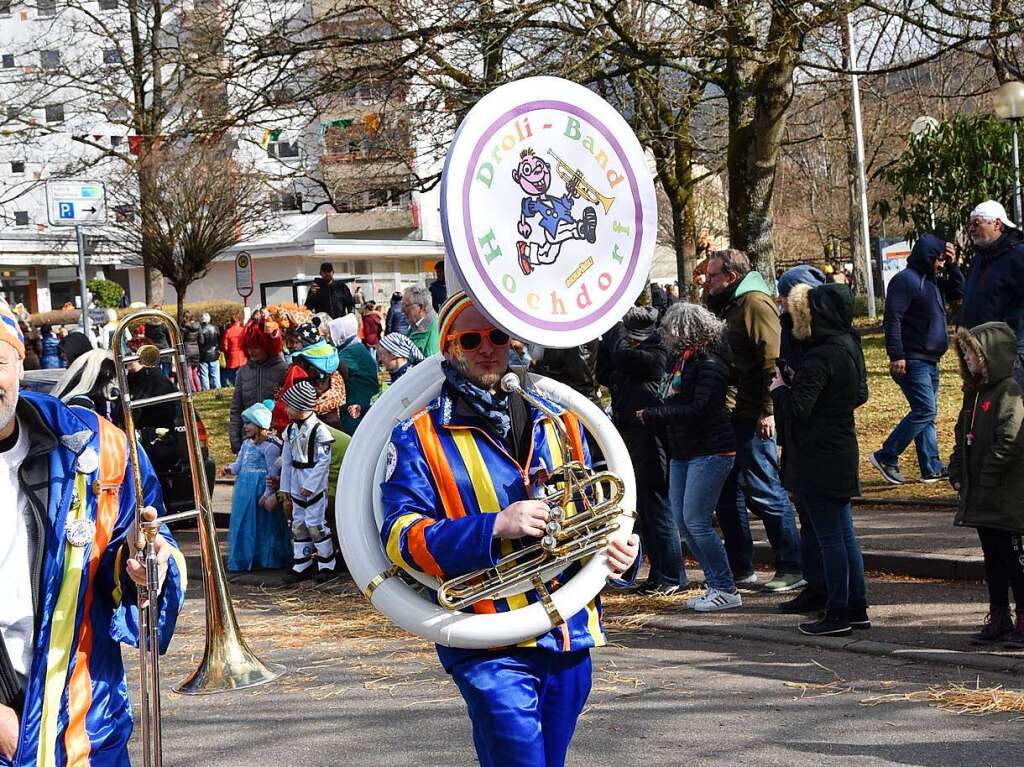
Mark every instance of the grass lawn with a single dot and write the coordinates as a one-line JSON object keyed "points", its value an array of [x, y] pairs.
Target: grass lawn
{"points": [[874, 422]]}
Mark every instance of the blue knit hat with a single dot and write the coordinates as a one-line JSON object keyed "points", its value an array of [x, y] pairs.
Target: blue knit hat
{"points": [[804, 274], [257, 414]]}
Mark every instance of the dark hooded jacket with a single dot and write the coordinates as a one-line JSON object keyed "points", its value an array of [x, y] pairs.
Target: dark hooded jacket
{"points": [[989, 464], [915, 309], [995, 286], [633, 375], [815, 414]]}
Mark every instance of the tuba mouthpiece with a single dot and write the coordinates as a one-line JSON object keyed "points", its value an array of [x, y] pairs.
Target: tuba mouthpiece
{"points": [[510, 383]]}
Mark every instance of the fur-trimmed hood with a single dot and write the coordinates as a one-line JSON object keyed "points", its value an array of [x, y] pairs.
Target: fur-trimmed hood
{"points": [[821, 311], [996, 347]]}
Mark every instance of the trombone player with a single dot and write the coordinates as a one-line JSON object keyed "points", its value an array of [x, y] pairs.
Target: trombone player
{"points": [[68, 568], [455, 497]]}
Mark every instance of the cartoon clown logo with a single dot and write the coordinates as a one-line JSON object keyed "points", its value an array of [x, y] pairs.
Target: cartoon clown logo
{"points": [[533, 174]]}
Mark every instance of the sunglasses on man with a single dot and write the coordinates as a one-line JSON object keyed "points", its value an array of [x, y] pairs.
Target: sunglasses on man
{"points": [[471, 339]]}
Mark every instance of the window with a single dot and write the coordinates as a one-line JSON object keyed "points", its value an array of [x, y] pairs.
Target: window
{"points": [[17, 166], [46, 7], [111, 56], [286, 201], [54, 113], [21, 218], [13, 113], [49, 59], [116, 140], [282, 149], [123, 214], [108, 5], [7, 60]]}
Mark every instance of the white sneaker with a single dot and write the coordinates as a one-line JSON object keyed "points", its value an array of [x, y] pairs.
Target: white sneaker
{"points": [[747, 583], [716, 600], [692, 601]]}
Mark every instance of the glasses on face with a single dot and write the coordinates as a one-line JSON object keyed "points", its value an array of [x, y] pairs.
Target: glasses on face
{"points": [[471, 339], [982, 220]]}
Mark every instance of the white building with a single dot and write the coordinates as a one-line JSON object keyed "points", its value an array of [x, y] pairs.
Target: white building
{"points": [[392, 244]]}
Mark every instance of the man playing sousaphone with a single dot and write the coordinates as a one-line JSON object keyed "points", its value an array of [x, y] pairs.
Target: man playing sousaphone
{"points": [[457, 493]]}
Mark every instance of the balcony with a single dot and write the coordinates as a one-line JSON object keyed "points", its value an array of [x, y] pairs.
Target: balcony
{"points": [[383, 219]]}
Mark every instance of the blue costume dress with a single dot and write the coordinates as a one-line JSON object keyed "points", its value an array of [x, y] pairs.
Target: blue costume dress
{"points": [[445, 480], [258, 538]]}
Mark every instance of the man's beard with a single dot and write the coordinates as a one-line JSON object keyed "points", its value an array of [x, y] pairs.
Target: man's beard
{"points": [[484, 380], [8, 405]]}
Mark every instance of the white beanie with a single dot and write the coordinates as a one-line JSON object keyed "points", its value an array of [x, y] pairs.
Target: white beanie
{"points": [[993, 209]]}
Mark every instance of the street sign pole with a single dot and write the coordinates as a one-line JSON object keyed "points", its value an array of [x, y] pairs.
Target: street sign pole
{"points": [[82, 288]]}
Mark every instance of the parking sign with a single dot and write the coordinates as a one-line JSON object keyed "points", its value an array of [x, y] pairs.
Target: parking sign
{"points": [[76, 203]]}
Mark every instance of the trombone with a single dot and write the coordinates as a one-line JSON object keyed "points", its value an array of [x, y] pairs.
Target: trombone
{"points": [[228, 664]]}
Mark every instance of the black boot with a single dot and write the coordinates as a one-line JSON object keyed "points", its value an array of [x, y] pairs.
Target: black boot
{"points": [[858, 615], [997, 626], [806, 601], [836, 623], [1016, 637]]}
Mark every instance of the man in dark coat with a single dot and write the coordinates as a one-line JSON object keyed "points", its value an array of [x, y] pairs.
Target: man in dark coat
{"points": [[631, 362], [329, 295], [209, 353], [915, 339], [396, 321], [995, 283], [438, 288]]}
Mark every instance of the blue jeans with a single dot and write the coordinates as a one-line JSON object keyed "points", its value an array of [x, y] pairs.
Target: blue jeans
{"points": [[694, 486], [754, 483], [524, 704], [832, 522], [227, 375], [209, 375], [920, 386], [810, 553], [657, 528]]}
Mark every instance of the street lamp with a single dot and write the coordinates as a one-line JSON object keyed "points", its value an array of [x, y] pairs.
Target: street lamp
{"points": [[920, 128], [1009, 105]]}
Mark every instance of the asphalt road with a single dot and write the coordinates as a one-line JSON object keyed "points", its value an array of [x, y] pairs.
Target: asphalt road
{"points": [[359, 693]]}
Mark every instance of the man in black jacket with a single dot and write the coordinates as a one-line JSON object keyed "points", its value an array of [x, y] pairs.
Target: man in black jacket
{"points": [[995, 283], [329, 295], [631, 362], [209, 353], [916, 339]]}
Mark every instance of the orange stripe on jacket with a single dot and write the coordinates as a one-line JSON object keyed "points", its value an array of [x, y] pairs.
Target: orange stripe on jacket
{"points": [[416, 540], [112, 468], [439, 467], [441, 470], [572, 425]]}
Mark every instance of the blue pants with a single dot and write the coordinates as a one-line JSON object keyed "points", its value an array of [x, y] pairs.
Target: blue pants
{"points": [[227, 375], [694, 487], [920, 386], [209, 375], [832, 522], [754, 483], [810, 553], [524, 704]]}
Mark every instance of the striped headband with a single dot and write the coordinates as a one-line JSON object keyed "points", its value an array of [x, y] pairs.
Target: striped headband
{"points": [[456, 304], [10, 331]]}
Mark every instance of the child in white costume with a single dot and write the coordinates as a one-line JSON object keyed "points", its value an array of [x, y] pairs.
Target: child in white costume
{"points": [[305, 464]]}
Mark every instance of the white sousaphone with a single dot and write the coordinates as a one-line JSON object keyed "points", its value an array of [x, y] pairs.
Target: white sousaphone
{"points": [[549, 217]]}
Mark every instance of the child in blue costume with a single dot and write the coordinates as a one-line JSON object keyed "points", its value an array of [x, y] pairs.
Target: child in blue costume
{"points": [[259, 532]]}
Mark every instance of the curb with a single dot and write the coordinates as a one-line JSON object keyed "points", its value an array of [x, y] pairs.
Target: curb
{"points": [[1006, 664], [911, 563]]}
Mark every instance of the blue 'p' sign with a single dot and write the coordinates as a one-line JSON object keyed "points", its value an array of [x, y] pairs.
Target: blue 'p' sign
{"points": [[67, 209]]}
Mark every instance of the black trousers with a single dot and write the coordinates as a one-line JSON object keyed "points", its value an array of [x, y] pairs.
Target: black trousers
{"points": [[1004, 567]]}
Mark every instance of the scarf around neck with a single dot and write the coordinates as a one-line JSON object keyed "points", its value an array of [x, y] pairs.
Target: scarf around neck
{"points": [[493, 408]]}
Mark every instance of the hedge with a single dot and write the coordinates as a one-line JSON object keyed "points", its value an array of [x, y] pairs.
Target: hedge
{"points": [[220, 313]]}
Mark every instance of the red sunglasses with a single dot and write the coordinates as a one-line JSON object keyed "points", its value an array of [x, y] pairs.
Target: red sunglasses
{"points": [[471, 339]]}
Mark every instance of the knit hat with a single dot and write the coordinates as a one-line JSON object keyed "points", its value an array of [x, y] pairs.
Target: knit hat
{"points": [[456, 304], [803, 274], [992, 209], [319, 354], [640, 322], [401, 345], [9, 330], [307, 333], [257, 414], [300, 396]]}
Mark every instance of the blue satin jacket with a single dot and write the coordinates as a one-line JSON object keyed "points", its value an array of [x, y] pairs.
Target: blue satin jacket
{"points": [[76, 709], [446, 479]]}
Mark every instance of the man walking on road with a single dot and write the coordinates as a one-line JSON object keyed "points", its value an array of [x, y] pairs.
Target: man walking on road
{"points": [[742, 298], [915, 339], [995, 283]]}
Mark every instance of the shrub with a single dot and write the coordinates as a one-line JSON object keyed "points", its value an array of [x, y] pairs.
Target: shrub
{"points": [[105, 293], [220, 313]]}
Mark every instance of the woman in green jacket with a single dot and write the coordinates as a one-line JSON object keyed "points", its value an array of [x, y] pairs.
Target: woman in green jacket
{"points": [[987, 470]]}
